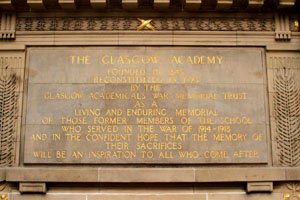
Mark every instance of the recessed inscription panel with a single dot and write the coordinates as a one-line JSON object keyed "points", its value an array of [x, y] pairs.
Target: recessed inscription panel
{"points": [[145, 105]]}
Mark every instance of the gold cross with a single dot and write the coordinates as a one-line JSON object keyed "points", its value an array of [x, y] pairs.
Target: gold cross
{"points": [[145, 23]]}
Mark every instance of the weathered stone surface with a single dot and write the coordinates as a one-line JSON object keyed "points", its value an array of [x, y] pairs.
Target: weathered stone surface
{"points": [[147, 175], [146, 105], [52, 175], [147, 197], [60, 196], [229, 196], [292, 174], [139, 175], [2, 174], [254, 174]]}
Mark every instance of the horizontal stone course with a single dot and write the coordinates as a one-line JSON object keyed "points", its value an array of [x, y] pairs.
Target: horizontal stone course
{"points": [[148, 175], [131, 196]]}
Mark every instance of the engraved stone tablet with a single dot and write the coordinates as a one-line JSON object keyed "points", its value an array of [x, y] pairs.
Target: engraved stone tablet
{"points": [[156, 105]]}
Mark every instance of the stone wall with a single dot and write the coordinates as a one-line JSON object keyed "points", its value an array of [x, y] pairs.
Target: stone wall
{"points": [[277, 179]]}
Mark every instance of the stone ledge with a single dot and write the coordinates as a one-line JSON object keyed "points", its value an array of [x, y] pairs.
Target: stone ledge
{"points": [[148, 175], [2, 175], [32, 188], [240, 174]]}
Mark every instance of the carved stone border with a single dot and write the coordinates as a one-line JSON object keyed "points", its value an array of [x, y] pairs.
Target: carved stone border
{"points": [[11, 93], [131, 24]]}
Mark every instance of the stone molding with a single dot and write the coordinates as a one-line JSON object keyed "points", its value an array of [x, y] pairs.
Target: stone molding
{"points": [[285, 104], [165, 5], [8, 26], [131, 24], [287, 111], [8, 112], [11, 89], [259, 187], [32, 188], [150, 175], [282, 27]]}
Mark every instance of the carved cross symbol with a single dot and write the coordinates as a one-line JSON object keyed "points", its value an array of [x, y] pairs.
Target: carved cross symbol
{"points": [[145, 23]]}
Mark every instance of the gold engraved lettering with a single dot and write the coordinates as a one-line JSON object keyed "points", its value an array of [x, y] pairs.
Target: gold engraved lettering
{"points": [[224, 128], [87, 112], [159, 146], [152, 87], [61, 154], [206, 120], [63, 95], [215, 154], [84, 60], [127, 79], [146, 112], [135, 87], [154, 120], [73, 120], [200, 137], [112, 154], [223, 137], [117, 145], [110, 120], [71, 128], [197, 60], [140, 111], [138, 96], [235, 95], [113, 112], [191, 79], [196, 112], [39, 137], [73, 137], [189, 154], [56, 137], [77, 154], [103, 129], [257, 136], [139, 104], [160, 95], [147, 154], [154, 104], [176, 137], [185, 120], [166, 154], [201, 95], [42, 154], [156, 71], [146, 128], [47, 120], [147, 137], [130, 71], [204, 129], [236, 120], [108, 95], [186, 129], [168, 129], [246, 154], [111, 137], [127, 129], [126, 60]]}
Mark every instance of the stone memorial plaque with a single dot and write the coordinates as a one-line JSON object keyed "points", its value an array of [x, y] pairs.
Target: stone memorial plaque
{"points": [[156, 105]]}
